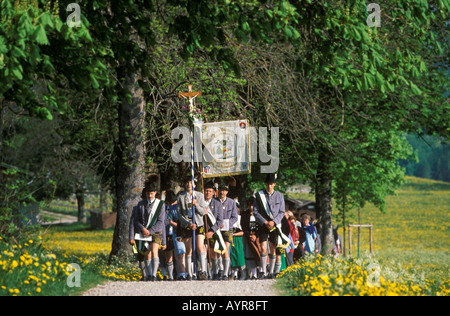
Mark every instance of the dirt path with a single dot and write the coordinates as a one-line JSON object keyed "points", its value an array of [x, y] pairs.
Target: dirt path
{"points": [[57, 218], [186, 288]]}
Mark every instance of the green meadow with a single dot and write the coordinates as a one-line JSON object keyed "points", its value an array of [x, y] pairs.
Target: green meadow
{"points": [[411, 243], [417, 219]]}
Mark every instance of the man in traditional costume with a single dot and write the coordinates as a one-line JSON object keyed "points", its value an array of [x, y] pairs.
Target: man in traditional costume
{"points": [[149, 223], [185, 209], [230, 216], [268, 210], [215, 220]]}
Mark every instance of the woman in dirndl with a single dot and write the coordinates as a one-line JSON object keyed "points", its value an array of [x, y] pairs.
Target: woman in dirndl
{"points": [[237, 252]]}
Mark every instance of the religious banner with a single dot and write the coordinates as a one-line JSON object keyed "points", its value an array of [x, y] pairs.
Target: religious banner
{"points": [[226, 148]]}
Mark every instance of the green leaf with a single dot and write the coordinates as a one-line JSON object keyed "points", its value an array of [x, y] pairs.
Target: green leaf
{"points": [[346, 82], [287, 32], [46, 19], [356, 34], [94, 82], [16, 72], [380, 79], [3, 48], [415, 89], [48, 114], [365, 36], [41, 36]]}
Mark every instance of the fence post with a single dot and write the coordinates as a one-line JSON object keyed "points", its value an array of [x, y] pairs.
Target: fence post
{"points": [[349, 240]]}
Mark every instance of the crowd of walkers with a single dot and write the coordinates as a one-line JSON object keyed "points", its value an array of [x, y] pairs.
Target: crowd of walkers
{"points": [[206, 236]]}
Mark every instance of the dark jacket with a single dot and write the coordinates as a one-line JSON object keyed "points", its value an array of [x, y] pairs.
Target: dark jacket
{"points": [[141, 219], [245, 223], [229, 210], [216, 209]]}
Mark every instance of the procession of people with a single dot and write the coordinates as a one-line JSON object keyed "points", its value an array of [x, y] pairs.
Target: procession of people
{"points": [[210, 238]]}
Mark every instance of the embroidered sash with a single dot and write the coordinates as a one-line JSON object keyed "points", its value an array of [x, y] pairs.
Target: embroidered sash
{"points": [[219, 243], [283, 241]]}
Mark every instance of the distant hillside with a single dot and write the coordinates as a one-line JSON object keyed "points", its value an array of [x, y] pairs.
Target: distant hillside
{"points": [[434, 158]]}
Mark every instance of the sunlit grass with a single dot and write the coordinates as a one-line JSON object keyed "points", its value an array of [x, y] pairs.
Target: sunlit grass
{"points": [[411, 242]]}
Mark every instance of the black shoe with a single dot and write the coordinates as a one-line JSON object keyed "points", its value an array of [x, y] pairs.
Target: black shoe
{"points": [[261, 276], [218, 276], [181, 278], [224, 278], [202, 276]]}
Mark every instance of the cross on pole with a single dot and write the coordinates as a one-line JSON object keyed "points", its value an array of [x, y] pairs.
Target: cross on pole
{"points": [[191, 96]]}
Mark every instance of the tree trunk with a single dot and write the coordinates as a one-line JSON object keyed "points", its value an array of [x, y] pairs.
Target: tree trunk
{"points": [[241, 185], [1, 147], [80, 204], [324, 202], [174, 177], [2, 180], [130, 167]]}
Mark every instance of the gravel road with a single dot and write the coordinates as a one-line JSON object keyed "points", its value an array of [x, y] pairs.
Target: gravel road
{"points": [[186, 288]]}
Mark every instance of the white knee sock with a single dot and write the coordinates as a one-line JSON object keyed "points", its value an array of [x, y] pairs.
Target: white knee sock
{"points": [[155, 264], [264, 264]]}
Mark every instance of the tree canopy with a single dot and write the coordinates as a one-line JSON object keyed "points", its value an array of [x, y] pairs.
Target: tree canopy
{"points": [[343, 93]]}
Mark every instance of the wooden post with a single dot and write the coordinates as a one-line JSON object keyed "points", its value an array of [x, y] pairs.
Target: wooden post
{"points": [[371, 238], [359, 232], [190, 95], [349, 240]]}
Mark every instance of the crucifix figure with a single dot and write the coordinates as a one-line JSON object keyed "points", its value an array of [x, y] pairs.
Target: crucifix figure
{"points": [[190, 95]]}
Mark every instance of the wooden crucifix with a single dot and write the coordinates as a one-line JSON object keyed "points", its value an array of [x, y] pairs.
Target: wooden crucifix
{"points": [[190, 95]]}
